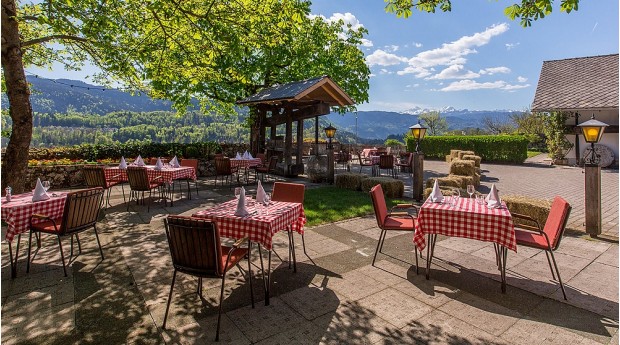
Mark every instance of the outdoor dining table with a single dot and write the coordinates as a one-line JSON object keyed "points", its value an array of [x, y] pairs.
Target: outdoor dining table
{"points": [[168, 174], [259, 226], [467, 219], [245, 164], [16, 214]]}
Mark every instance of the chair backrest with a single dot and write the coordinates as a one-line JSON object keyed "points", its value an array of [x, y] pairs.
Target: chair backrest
{"points": [[94, 176], [222, 166], [219, 155], [138, 178], [289, 192], [81, 210], [195, 246], [386, 162], [189, 163], [262, 157], [556, 221], [273, 163], [378, 203]]}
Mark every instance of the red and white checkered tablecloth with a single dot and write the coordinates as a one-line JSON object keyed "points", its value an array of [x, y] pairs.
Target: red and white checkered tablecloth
{"points": [[16, 213], [468, 219], [262, 223], [244, 163], [167, 173]]}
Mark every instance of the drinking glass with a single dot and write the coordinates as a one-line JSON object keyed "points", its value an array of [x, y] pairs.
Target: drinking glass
{"points": [[455, 197], [470, 190], [237, 192], [46, 185], [480, 199]]}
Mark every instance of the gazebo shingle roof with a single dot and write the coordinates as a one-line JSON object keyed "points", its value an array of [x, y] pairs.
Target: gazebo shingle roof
{"points": [[578, 83]]}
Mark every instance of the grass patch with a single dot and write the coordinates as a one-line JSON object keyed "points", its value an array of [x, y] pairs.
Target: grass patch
{"points": [[330, 204], [531, 154]]}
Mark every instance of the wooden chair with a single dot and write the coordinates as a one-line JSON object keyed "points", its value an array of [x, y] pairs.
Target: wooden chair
{"points": [[290, 192], [139, 182], [546, 238], [386, 162], [95, 177], [224, 169], [365, 162], [80, 214], [405, 164], [196, 250], [392, 221], [185, 162], [269, 169]]}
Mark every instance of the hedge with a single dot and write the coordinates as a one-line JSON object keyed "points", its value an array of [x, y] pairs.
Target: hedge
{"points": [[491, 148]]}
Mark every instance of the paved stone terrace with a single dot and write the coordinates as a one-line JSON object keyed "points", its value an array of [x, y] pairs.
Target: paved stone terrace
{"points": [[338, 297]]}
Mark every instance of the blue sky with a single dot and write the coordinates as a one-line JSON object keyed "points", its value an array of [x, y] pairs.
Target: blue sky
{"points": [[471, 58]]}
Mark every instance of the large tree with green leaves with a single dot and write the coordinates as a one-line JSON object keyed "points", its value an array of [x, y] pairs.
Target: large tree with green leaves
{"points": [[437, 125], [527, 10], [216, 51]]}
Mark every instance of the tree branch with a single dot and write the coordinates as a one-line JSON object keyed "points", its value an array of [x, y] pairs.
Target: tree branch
{"points": [[52, 38]]}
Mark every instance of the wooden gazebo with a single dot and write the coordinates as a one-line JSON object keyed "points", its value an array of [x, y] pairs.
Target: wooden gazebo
{"points": [[283, 104]]}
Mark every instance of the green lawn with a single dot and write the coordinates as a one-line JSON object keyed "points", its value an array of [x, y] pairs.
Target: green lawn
{"points": [[531, 154], [330, 204]]}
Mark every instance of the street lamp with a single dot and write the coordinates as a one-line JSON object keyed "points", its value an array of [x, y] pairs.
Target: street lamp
{"points": [[417, 163], [330, 132], [592, 132]]}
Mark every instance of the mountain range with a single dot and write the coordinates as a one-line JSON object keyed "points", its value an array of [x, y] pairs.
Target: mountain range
{"points": [[65, 95]]}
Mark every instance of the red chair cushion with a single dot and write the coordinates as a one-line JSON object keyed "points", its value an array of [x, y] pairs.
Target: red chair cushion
{"points": [[47, 226], [554, 226], [530, 239], [397, 223], [236, 256]]}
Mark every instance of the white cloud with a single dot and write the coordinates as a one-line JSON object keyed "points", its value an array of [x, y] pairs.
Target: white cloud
{"points": [[417, 45], [494, 70], [383, 58], [348, 19], [454, 52], [419, 72], [509, 46], [366, 42], [391, 48], [455, 72], [385, 71], [521, 79], [467, 85]]}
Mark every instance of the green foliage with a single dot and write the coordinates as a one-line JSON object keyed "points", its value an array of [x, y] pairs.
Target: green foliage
{"points": [[532, 126], [528, 11], [436, 124], [393, 143], [555, 131], [492, 148]]}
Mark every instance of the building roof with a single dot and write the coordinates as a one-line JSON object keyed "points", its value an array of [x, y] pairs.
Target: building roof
{"points": [[322, 89], [578, 84]]}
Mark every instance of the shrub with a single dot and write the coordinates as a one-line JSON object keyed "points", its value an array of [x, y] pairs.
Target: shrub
{"points": [[350, 180], [391, 188], [491, 148]]}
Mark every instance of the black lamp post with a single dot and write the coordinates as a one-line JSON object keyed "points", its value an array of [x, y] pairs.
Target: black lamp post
{"points": [[330, 132], [417, 163], [592, 132]]}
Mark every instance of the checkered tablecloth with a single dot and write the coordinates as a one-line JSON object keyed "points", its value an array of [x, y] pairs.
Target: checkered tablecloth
{"points": [[468, 219], [167, 173], [244, 163], [16, 213], [261, 224]]}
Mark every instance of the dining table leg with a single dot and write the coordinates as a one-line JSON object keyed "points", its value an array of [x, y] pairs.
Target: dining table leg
{"points": [[13, 260], [503, 257], [266, 274], [430, 250]]}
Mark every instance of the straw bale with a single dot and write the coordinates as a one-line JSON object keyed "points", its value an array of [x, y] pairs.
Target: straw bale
{"points": [[445, 181], [349, 180], [533, 207], [392, 188], [446, 191], [454, 153], [462, 167], [476, 159], [463, 153], [448, 158]]}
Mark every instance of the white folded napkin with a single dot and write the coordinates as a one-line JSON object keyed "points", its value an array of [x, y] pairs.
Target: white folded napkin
{"points": [[174, 162], [246, 155], [159, 165], [39, 193], [238, 156], [436, 195], [493, 200], [241, 211], [250, 156], [123, 164], [139, 161], [261, 196]]}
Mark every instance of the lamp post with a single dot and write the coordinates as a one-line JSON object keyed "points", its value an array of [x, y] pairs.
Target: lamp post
{"points": [[592, 132], [417, 163], [330, 132]]}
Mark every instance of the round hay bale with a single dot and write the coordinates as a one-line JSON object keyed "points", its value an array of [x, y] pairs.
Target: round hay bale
{"points": [[463, 153], [392, 188], [462, 167], [454, 153], [533, 207], [348, 180], [476, 159]]}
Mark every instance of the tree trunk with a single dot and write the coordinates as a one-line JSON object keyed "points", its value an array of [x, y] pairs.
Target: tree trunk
{"points": [[15, 162]]}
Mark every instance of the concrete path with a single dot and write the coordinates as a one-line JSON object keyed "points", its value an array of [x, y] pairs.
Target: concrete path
{"points": [[335, 298]]}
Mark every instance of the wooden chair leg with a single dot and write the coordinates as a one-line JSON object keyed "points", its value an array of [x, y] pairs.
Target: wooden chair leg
{"points": [[174, 276]]}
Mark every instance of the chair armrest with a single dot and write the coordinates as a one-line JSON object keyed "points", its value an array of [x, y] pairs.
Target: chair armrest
{"points": [[405, 206], [537, 228], [158, 178], [238, 243], [40, 216], [117, 176]]}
